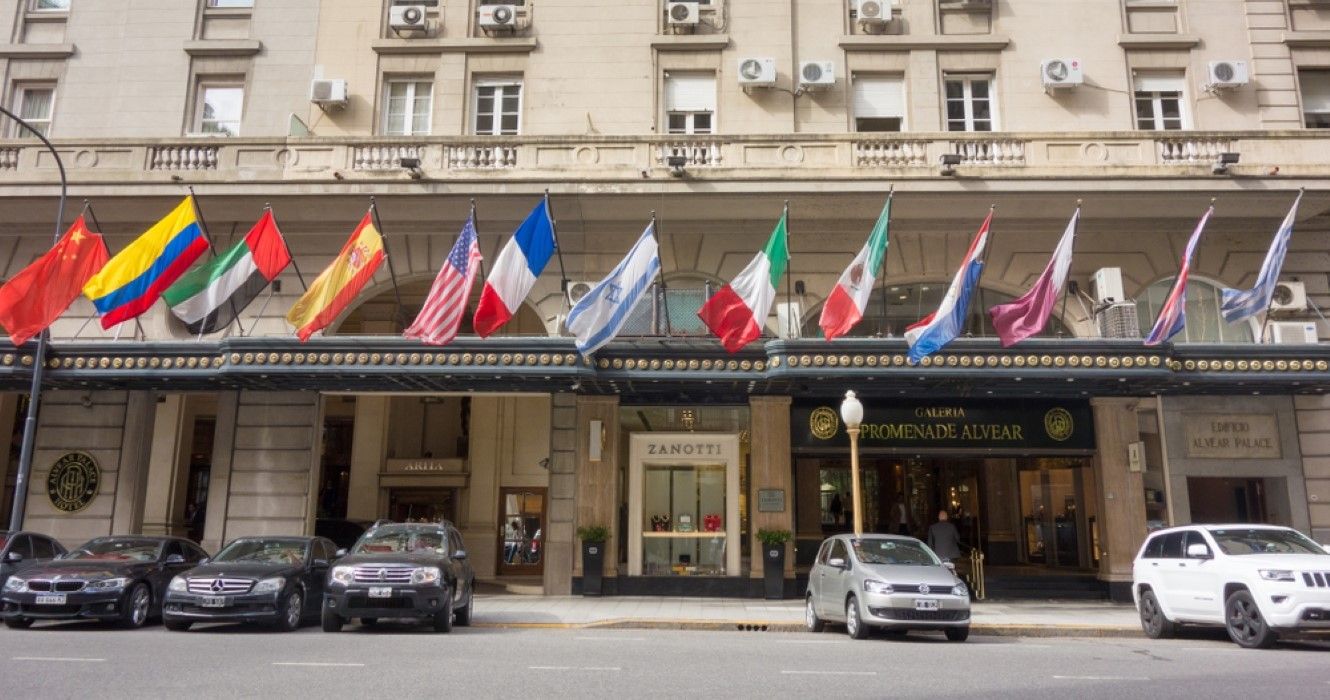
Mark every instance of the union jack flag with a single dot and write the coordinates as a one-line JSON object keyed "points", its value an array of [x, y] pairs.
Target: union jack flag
{"points": [[1173, 314]]}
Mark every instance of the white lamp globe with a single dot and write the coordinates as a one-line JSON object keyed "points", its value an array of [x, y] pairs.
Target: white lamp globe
{"points": [[851, 411]]}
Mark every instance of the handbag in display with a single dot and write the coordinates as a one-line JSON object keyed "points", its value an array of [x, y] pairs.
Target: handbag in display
{"points": [[660, 523], [711, 522], [685, 523]]}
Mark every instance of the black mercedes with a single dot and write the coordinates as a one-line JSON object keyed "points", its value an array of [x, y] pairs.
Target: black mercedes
{"points": [[274, 580], [118, 579]]}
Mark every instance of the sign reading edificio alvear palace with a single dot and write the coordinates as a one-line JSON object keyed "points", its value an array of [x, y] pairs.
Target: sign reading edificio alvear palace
{"points": [[1016, 425]]}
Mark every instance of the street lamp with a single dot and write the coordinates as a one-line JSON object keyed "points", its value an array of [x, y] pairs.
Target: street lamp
{"points": [[852, 412]]}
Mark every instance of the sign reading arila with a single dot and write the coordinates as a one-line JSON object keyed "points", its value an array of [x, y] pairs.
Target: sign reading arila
{"points": [[72, 483], [965, 424], [1224, 436]]}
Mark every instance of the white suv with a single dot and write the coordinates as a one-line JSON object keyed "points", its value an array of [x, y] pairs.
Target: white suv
{"points": [[1256, 580]]}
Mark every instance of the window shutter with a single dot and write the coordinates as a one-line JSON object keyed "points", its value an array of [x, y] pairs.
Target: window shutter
{"points": [[1159, 82], [690, 92], [879, 97], [1315, 91]]}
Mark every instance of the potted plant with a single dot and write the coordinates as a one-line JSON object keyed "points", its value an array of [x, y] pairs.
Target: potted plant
{"points": [[773, 562], [593, 539]]}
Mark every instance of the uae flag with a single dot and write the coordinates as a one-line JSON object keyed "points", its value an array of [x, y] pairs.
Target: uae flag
{"points": [[845, 306], [210, 296], [738, 311]]}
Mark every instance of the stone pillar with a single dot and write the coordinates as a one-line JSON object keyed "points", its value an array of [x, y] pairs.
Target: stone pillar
{"points": [[595, 485], [1121, 491], [219, 478], [770, 469], [8, 412], [368, 445], [132, 479], [171, 434], [490, 446], [1002, 501], [560, 519], [1314, 439]]}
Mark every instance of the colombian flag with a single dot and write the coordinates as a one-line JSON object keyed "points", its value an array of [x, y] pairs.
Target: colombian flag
{"points": [[132, 280], [340, 283]]}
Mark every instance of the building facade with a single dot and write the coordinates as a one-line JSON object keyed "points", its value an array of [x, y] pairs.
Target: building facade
{"points": [[1056, 455]]}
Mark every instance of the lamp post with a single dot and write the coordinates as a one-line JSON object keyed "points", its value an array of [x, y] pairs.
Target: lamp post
{"points": [[852, 412]]}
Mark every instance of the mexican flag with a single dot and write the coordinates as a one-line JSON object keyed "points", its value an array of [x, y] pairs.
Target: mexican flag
{"points": [[845, 306], [738, 311], [210, 296]]}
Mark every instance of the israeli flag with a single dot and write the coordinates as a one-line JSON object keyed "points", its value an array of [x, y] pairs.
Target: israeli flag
{"points": [[598, 316]]}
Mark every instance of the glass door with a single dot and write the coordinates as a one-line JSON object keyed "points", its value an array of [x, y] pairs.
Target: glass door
{"points": [[412, 505], [521, 531], [1051, 515]]}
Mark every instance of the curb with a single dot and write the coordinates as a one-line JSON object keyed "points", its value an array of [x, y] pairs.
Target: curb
{"points": [[985, 629]]}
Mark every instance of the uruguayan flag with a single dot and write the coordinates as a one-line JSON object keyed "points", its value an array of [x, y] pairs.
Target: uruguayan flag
{"points": [[599, 315], [1246, 303]]}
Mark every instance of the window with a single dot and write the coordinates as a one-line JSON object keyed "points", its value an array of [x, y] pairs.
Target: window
{"points": [[50, 5], [690, 103], [407, 106], [498, 108], [230, 3], [1159, 101], [22, 546], [219, 108], [1204, 322], [838, 551], [879, 104], [34, 104], [1155, 548], [42, 548], [969, 102], [1315, 86], [1172, 548]]}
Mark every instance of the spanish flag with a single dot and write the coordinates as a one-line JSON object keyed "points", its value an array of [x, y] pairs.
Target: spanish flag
{"points": [[341, 282], [134, 279]]}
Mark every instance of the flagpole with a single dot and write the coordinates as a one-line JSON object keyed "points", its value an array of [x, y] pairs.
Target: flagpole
{"points": [[789, 275], [207, 235], [660, 277], [39, 357], [558, 250], [289, 255], [482, 258], [401, 310], [1063, 314], [891, 194], [988, 248], [1265, 319]]}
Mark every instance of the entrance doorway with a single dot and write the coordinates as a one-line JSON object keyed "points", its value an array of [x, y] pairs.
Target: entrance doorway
{"points": [[1052, 519], [521, 531], [414, 505], [1226, 500]]}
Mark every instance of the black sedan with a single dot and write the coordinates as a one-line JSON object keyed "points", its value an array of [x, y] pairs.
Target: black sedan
{"points": [[20, 551], [120, 579], [276, 580]]}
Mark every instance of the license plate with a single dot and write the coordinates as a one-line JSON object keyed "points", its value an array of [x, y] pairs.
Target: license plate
{"points": [[51, 599], [212, 601], [925, 604], [381, 592]]}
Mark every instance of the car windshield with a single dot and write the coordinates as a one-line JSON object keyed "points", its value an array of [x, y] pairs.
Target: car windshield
{"points": [[118, 550], [264, 552], [897, 552], [396, 539], [1238, 541]]}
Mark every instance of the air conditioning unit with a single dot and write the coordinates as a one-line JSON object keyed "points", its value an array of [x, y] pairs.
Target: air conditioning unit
{"points": [[1119, 320], [407, 17], [494, 17], [788, 317], [683, 14], [1289, 296], [578, 289], [1061, 72], [757, 72], [1106, 285], [874, 12], [1291, 333], [1227, 74], [814, 75], [327, 93]]}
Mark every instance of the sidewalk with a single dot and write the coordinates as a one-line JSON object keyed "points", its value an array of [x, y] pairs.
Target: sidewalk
{"points": [[1024, 618]]}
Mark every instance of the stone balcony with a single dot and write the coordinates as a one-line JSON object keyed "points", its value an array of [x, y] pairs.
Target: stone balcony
{"points": [[545, 159]]}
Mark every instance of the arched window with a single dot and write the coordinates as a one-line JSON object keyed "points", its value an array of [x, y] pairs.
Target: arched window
{"points": [[1204, 323], [907, 303]]}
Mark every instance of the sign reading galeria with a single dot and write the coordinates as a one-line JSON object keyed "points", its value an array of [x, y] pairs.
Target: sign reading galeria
{"points": [[978, 424], [1227, 436], [72, 484]]}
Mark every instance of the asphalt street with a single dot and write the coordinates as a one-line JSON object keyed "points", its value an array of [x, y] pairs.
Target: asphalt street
{"points": [[84, 660]]}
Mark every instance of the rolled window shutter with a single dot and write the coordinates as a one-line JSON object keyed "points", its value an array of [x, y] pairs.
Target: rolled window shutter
{"points": [[690, 92], [879, 97], [1159, 82]]}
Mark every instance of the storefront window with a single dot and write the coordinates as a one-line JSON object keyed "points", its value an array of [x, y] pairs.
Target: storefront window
{"points": [[684, 520]]}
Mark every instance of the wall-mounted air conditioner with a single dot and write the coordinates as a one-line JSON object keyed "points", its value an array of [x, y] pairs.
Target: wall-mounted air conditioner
{"points": [[498, 17], [817, 75], [1289, 296], [1291, 333], [757, 72], [578, 289], [1227, 74], [407, 18], [1061, 73], [683, 14], [1106, 285], [875, 12], [328, 94]]}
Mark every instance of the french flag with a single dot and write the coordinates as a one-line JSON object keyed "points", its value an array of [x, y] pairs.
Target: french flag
{"points": [[934, 331], [515, 271], [1173, 315]]}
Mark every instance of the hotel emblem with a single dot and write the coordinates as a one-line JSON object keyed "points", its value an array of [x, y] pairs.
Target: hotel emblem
{"points": [[823, 422], [1058, 423], [72, 484]]}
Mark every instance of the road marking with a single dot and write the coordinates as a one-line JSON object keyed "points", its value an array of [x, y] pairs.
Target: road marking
{"points": [[611, 639], [829, 673], [315, 663], [57, 658], [574, 668], [811, 641], [1101, 678]]}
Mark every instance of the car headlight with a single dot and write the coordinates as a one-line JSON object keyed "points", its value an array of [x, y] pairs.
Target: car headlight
{"points": [[879, 587], [16, 585], [179, 584], [343, 575], [1276, 574], [269, 585], [960, 590], [107, 584], [425, 574]]}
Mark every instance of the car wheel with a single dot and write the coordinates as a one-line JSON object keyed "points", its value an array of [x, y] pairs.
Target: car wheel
{"points": [[854, 624], [1244, 622], [443, 620], [177, 625], [289, 612], [369, 621], [811, 621], [1153, 620], [18, 623], [958, 634], [137, 605], [462, 616], [332, 622]]}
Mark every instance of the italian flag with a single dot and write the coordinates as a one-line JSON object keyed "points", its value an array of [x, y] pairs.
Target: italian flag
{"points": [[845, 306], [738, 311], [210, 296]]}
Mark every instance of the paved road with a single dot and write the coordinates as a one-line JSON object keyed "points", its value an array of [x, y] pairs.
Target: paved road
{"points": [[81, 660]]}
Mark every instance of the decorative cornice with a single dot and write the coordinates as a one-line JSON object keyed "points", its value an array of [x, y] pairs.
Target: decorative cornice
{"points": [[1307, 40], [690, 42], [410, 47], [36, 50], [939, 42], [223, 47], [1158, 41]]}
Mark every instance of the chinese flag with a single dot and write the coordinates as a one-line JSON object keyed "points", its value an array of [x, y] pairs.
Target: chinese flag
{"points": [[38, 294]]}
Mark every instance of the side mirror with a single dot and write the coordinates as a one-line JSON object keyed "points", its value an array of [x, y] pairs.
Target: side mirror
{"points": [[340, 553], [13, 558], [836, 562], [320, 563], [1198, 551], [459, 554], [175, 559], [950, 565], [204, 560]]}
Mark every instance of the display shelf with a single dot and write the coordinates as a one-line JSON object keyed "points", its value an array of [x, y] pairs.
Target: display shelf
{"points": [[705, 535]]}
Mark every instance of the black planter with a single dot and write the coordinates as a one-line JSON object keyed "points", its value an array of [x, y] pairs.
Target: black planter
{"points": [[773, 571], [593, 567]]}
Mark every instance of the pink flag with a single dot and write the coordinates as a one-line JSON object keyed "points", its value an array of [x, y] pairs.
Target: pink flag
{"points": [[1021, 318]]}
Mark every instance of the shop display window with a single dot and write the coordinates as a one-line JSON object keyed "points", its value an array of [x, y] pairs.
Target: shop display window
{"points": [[684, 528]]}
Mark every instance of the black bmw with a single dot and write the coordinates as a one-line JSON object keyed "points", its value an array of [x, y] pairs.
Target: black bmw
{"points": [[120, 579], [276, 580]]}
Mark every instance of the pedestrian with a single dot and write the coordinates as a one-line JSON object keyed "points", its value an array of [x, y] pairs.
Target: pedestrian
{"points": [[837, 509], [902, 518], [849, 508], [944, 538]]}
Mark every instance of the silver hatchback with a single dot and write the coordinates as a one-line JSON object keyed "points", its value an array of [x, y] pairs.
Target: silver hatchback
{"points": [[886, 581]]}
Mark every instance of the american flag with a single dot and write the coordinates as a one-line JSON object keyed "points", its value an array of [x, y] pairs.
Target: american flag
{"points": [[441, 315], [1173, 314]]}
